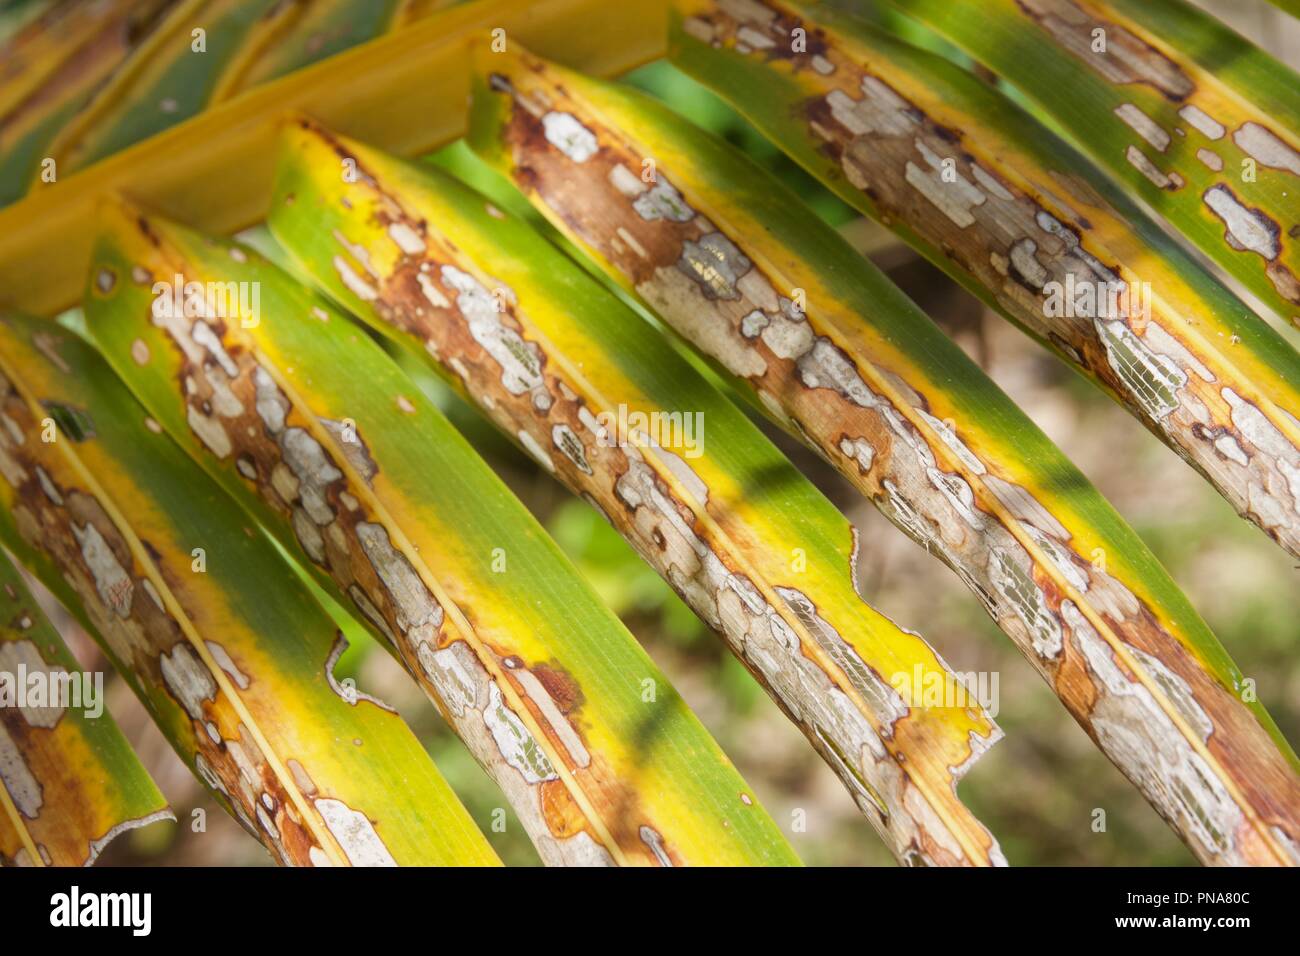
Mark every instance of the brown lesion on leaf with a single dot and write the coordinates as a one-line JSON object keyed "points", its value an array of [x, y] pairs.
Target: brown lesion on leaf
{"points": [[485, 347], [1125, 59], [1265, 146], [67, 523], [1130, 59], [562, 688], [26, 767], [1218, 824], [304, 472], [1029, 248], [239, 413], [58, 804], [865, 419], [1251, 229]]}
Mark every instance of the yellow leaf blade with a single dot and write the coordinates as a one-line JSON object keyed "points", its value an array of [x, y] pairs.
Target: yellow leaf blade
{"points": [[69, 782]]}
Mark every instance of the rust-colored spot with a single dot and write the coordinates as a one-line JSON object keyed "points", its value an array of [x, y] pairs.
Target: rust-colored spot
{"points": [[563, 689], [564, 818]]}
